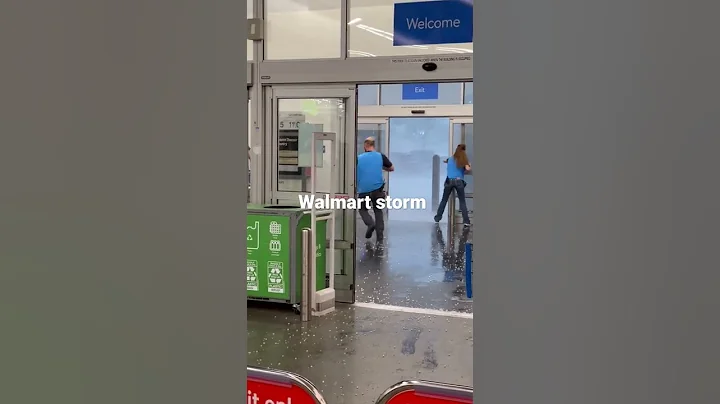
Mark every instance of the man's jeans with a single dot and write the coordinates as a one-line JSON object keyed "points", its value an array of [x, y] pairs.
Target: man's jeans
{"points": [[379, 223]]}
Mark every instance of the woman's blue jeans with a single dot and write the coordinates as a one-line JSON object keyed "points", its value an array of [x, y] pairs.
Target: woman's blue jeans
{"points": [[459, 186]]}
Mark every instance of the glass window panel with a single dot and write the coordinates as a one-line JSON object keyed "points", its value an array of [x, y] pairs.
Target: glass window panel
{"points": [[302, 29], [250, 50], [370, 27], [329, 116], [413, 144], [366, 130], [368, 94], [448, 94], [468, 93]]}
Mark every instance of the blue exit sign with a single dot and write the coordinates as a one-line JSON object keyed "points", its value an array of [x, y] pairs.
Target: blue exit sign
{"points": [[420, 91]]}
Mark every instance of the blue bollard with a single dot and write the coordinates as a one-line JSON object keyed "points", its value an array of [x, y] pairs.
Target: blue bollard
{"points": [[468, 270]]}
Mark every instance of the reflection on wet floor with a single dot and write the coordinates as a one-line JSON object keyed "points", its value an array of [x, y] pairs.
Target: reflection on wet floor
{"points": [[354, 353], [420, 267]]}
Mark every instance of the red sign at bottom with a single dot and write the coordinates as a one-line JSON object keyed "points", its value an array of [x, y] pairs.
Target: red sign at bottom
{"points": [[417, 397], [276, 392]]}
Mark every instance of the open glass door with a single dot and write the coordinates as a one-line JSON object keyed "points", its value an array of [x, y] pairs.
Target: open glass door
{"points": [[377, 128], [461, 131], [318, 109]]}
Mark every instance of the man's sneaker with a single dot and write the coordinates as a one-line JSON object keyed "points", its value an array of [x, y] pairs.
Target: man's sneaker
{"points": [[379, 250], [369, 231]]}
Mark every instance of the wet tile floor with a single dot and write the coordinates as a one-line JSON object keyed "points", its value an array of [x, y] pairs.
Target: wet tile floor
{"points": [[353, 354], [421, 267]]}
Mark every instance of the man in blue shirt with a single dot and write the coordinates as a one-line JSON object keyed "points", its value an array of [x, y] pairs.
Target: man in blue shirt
{"points": [[371, 183]]}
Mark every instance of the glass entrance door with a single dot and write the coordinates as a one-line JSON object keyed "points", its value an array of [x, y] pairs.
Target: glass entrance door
{"points": [[416, 144], [461, 131], [378, 129], [317, 109]]}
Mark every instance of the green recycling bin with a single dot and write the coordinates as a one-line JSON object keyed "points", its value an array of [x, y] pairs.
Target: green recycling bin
{"points": [[274, 252]]}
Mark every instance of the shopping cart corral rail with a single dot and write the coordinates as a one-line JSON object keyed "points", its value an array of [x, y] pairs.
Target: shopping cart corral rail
{"points": [[268, 386], [424, 392]]}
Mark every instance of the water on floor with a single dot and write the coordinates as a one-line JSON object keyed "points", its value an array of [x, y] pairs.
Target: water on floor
{"points": [[353, 354], [419, 267]]}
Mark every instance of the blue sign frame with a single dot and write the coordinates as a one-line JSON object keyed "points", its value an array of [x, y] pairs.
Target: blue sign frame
{"points": [[433, 22]]}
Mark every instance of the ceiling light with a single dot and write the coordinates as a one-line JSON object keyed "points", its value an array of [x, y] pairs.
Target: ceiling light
{"points": [[375, 31], [361, 53]]}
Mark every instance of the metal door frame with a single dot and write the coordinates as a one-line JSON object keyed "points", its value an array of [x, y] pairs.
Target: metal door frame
{"points": [[453, 121], [385, 141], [344, 282], [405, 111], [379, 121]]}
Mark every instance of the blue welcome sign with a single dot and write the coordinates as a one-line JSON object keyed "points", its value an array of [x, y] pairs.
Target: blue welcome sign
{"points": [[415, 91], [433, 22]]}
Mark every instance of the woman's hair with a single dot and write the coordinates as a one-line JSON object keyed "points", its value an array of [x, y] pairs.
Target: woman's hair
{"points": [[461, 158]]}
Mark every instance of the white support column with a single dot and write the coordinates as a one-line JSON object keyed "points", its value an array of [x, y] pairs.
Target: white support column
{"points": [[344, 38], [259, 150]]}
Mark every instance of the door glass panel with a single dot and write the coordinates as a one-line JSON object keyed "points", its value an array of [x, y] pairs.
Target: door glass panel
{"points": [[413, 143], [368, 94], [366, 130], [468, 95], [463, 133], [328, 116]]}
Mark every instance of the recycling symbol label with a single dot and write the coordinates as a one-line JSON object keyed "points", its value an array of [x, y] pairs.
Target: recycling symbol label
{"points": [[253, 236], [275, 277], [252, 276]]}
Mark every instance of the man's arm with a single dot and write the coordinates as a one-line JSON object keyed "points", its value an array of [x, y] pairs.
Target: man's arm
{"points": [[387, 164]]}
